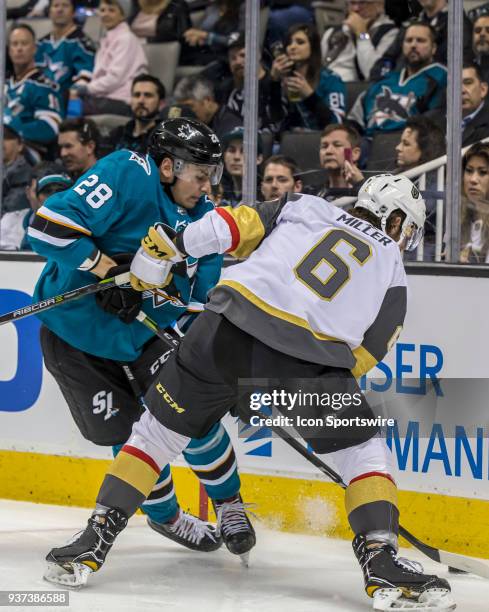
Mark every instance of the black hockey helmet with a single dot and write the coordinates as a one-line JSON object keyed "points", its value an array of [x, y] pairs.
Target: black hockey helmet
{"points": [[187, 140]]}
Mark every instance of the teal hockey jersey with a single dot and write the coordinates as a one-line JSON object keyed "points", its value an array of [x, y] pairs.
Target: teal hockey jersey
{"points": [[68, 59], [33, 107], [388, 104], [110, 209]]}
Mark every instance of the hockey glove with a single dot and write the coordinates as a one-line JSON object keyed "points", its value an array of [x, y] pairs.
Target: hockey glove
{"points": [[149, 273], [152, 266], [160, 243], [123, 302]]}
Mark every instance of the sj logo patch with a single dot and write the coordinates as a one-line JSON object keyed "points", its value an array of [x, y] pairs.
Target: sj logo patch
{"points": [[103, 402]]}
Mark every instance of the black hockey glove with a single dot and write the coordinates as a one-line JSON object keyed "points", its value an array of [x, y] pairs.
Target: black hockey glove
{"points": [[123, 302]]}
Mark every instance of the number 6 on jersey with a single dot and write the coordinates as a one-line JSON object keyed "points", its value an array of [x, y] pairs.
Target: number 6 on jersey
{"points": [[324, 252]]}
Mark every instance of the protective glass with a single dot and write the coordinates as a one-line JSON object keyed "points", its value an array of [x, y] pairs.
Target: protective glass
{"points": [[200, 173]]}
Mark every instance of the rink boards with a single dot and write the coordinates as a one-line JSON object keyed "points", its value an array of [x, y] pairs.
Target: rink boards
{"points": [[442, 461]]}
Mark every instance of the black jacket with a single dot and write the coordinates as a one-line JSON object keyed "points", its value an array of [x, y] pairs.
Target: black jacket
{"points": [[224, 121], [17, 176], [171, 23], [478, 128], [122, 138]]}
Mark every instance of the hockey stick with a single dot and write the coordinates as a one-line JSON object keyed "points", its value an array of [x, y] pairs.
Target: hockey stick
{"points": [[73, 294], [479, 567]]}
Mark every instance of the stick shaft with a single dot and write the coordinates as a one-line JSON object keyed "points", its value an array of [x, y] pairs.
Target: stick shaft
{"points": [[52, 302]]}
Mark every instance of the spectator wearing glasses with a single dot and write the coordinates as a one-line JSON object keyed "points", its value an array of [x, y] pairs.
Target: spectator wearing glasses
{"points": [[352, 49]]}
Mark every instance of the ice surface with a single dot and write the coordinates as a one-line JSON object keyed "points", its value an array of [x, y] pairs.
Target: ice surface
{"points": [[146, 572]]}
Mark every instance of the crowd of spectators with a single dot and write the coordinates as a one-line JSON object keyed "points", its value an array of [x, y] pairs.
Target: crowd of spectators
{"points": [[374, 82]]}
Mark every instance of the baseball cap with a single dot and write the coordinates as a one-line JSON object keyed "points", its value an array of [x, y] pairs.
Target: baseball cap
{"points": [[237, 133], [53, 179]]}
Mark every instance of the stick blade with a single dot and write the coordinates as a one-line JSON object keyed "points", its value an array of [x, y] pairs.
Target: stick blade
{"points": [[479, 567]]}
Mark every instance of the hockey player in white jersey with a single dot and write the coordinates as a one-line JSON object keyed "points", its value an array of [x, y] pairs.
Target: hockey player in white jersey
{"points": [[321, 297]]}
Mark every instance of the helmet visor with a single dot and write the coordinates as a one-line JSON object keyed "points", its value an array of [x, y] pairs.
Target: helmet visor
{"points": [[413, 236], [198, 173]]}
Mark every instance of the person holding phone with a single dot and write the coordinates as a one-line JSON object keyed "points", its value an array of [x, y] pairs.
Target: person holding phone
{"points": [[304, 95], [339, 152]]}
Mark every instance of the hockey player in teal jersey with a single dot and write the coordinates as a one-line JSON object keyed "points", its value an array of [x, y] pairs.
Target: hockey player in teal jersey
{"points": [[33, 103], [66, 54], [88, 346], [419, 87]]}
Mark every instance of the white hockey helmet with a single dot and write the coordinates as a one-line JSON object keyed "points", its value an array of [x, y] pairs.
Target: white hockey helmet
{"points": [[384, 193]]}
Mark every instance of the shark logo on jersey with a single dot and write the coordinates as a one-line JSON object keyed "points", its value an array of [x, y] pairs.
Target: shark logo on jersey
{"points": [[142, 161], [160, 298], [14, 107], [391, 107], [57, 69], [187, 132], [102, 402]]}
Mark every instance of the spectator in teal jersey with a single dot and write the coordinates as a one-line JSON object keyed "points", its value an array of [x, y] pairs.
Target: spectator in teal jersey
{"points": [[33, 105], [66, 54], [418, 88]]}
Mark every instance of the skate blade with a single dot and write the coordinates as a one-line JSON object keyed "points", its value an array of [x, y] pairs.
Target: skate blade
{"points": [[245, 559], [432, 600], [74, 579]]}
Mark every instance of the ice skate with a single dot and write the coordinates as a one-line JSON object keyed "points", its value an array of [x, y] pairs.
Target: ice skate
{"points": [[71, 565], [235, 526], [399, 584], [189, 531]]}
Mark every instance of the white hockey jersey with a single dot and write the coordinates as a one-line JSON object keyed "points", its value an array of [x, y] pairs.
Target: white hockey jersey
{"points": [[319, 283]]}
